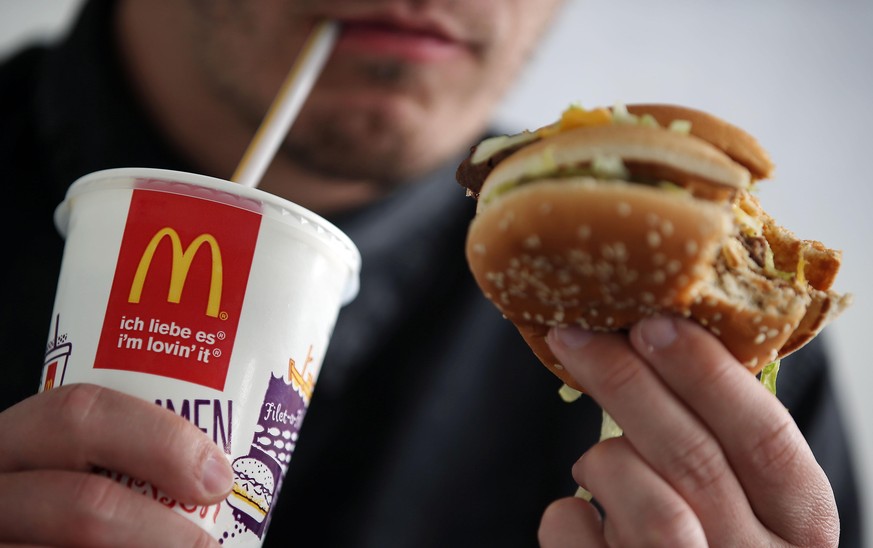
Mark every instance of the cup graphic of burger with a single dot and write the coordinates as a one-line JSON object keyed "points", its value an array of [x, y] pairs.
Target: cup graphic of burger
{"points": [[253, 488]]}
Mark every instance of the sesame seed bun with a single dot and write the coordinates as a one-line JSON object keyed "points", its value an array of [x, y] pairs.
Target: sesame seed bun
{"points": [[556, 243]]}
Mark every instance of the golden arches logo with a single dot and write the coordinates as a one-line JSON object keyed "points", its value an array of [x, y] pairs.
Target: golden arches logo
{"points": [[181, 263]]}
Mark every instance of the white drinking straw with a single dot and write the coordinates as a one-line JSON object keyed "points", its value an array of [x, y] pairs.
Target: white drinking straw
{"points": [[287, 104]]}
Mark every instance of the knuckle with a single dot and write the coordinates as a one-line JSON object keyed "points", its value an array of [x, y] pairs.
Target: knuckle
{"points": [[96, 501], [673, 525], [77, 403], [76, 407], [777, 446], [620, 375], [666, 526], [698, 465]]}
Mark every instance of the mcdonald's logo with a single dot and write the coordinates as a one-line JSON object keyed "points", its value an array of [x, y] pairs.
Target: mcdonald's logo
{"points": [[183, 261], [179, 266], [51, 371]]}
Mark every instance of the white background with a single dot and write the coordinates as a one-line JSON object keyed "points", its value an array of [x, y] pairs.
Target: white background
{"points": [[795, 73]]}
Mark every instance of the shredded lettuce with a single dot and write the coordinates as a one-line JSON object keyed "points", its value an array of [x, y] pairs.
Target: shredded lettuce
{"points": [[569, 394], [681, 126], [769, 374], [608, 429]]}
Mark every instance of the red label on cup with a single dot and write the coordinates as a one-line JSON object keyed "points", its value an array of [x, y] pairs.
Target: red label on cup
{"points": [[178, 288]]}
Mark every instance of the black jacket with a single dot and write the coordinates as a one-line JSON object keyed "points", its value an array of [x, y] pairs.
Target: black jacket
{"points": [[432, 423]]}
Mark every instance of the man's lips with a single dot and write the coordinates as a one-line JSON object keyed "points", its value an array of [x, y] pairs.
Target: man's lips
{"points": [[410, 42]]}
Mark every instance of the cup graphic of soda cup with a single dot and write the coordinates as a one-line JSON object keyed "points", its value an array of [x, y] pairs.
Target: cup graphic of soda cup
{"points": [[57, 353], [214, 300]]}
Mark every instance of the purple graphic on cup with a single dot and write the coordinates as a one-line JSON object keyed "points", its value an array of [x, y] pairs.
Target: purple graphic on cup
{"points": [[258, 475]]}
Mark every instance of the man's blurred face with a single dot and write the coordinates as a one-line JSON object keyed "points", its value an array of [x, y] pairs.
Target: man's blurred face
{"points": [[409, 83]]}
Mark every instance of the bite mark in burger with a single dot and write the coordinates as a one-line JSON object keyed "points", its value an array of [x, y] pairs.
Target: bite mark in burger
{"points": [[611, 215]]}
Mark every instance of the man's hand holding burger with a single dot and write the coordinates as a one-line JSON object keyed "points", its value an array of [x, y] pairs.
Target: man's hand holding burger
{"points": [[629, 249], [709, 457]]}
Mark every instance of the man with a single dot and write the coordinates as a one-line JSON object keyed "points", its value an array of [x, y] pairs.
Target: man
{"points": [[432, 423]]}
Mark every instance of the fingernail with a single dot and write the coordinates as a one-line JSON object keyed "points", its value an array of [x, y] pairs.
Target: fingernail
{"points": [[217, 475], [571, 337], [658, 332]]}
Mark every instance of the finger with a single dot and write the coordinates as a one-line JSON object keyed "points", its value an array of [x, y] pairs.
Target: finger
{"points": [[79, 427], [641, 508], [666, 434], [570, 521], [785, 485], [60, 508]]}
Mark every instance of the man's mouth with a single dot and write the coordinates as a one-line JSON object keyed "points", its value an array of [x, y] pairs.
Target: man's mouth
{"points": [[419, 42]]}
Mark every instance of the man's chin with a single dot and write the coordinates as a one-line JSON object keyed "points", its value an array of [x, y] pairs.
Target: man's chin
{"points": [[381, 167]]}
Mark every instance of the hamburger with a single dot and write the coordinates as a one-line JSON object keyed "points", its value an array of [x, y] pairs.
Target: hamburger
{"points": [[614, 214], [253, 487]]}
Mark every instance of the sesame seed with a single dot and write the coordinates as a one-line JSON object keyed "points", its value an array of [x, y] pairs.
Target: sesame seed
{"points": [[545, 208], [624, 209], [583, 232], [653, 238], [691, 247], [558, 366], [760, 338], [620, 251], [667, 228], [479, 249], [532, 242]]}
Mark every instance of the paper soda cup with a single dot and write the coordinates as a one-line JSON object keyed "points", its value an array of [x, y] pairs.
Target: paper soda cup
{"points": [[208, 298]]}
